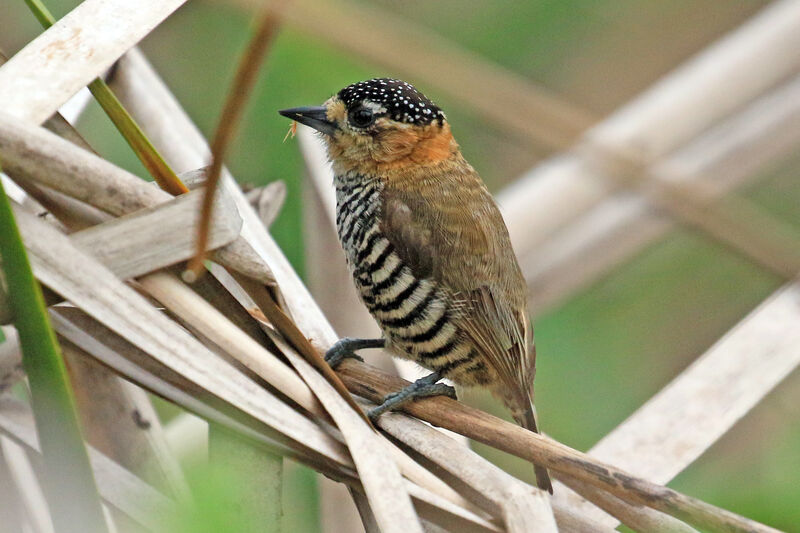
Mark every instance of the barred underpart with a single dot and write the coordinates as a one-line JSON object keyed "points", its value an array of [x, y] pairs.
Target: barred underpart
{"points": [[416, 315]]}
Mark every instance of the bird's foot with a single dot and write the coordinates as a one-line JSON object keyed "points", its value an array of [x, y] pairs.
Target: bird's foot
{"points": [[346, 349], [422, 388]]}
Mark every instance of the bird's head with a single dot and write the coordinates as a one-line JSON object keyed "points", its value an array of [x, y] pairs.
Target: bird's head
{"points": [[379, 124]]}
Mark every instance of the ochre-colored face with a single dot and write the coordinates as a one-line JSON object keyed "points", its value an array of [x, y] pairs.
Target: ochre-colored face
{"points": [[385, 124]]}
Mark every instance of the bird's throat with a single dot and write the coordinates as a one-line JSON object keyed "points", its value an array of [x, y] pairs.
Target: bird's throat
{"points": [[393, 151]]}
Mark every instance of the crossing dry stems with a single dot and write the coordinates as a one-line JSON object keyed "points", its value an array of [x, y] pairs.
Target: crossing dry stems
{"points": [[199, 357]]}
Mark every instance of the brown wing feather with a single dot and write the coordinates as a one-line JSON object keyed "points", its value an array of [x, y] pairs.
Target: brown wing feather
{"points": [[464, 246]]}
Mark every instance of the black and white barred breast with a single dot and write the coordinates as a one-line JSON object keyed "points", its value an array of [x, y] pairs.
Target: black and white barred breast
{"points": [[416, 314]]}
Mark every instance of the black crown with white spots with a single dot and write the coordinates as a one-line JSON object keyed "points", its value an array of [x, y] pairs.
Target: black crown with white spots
{"points": [[403, 102]]}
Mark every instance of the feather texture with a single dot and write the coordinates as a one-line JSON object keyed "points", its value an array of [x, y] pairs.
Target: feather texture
{"points": [[462, 245], [426, 243]]}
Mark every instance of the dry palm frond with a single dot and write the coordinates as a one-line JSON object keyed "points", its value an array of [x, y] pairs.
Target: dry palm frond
{"points": [[646, 129], [118, 487], [206, 353], [476, 425], [726, 156], [29, 87], [669, 432]]}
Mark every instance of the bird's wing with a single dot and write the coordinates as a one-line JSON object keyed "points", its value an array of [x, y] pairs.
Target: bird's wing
{"points": [[504, 335], [467, 251]]}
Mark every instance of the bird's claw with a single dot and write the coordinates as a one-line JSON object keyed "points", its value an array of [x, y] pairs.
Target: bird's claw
{"points": [[345, 349], [336, 355], [422, 388]]}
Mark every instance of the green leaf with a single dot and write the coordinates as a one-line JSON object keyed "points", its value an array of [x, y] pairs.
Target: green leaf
{"points": [[69, 485]]}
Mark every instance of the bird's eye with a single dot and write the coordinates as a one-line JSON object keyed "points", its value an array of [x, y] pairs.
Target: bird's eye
{"points": [[361, 117]]}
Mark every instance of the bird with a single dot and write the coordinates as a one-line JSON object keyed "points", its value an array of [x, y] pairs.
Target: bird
{"points": [[427, 247]]}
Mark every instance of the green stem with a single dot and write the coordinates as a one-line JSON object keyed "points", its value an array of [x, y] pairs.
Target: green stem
{"points": [[130, 130], [69, 484], [41, 13], [137, 140]]}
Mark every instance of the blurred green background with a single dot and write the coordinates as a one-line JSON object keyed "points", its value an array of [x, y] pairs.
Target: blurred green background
{"points": [[602, 353]]}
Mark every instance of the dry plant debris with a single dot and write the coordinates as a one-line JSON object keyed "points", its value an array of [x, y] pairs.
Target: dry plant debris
{"points": [[200, 347]]}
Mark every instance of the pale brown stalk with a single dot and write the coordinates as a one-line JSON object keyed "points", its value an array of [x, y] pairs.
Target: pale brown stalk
{"points": [[244, 80], [370, 383]]}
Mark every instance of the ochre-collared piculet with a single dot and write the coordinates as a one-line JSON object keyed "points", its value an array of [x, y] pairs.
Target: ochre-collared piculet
{"points": [[427, 247]]}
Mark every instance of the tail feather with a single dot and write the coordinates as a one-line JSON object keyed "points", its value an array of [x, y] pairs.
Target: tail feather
{"points": [[528, 421]]}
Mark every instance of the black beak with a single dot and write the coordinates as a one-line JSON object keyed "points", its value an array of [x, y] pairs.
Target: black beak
{"points": [[314, 116]]}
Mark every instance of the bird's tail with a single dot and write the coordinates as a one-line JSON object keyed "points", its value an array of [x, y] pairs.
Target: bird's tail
{"points": [[527, 419]]}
